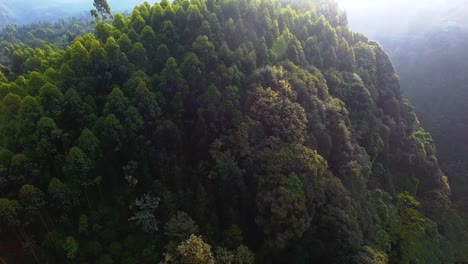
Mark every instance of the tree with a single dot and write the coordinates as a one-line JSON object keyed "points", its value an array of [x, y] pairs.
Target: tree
{"points": [[79, 59], [288, 180], [119, 22], [138, 24], [125, 43], [75, 111], [179, 228], [133, 122], [172, 80], [36, 81], [110, 132], [21, 170], [346, 55], [83, 224], [29, 114], [168, 35], [102, 31], [3, 79], [71, 247], [101, 10], [149, 41], [282, 208], [148, 104], [32, 201], [48, 138], [243, 255], [174, 85], [279, 116], [8, 116], [118, 61], [157, 16], [205, 50], [90, 145], [137, 55], [98, 59], [61, 195], [192, 251], [52, 100], [416, 236], [9, 214], [77, 166], [144, 216], [194, 17], [116, 103], [160, 59], [336, 221], [192, 68]]}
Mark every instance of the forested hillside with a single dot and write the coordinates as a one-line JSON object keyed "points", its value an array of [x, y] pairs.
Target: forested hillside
{"points": [[218, 131], [18, 43], [433, 69]]}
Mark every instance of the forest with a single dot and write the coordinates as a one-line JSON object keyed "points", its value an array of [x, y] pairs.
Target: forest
{"points": [[215, 131]]}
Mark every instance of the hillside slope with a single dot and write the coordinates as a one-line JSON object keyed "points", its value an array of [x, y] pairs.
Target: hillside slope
{"points": [[433, 69], [218, 131]]}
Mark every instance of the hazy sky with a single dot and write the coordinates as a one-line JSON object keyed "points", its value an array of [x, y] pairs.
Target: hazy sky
{"points": [[74, 4], [362, 4], [114, 4], [377, 17], [28, 11]]}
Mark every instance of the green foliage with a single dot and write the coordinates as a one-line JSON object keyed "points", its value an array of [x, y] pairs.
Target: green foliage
{"points": [[71, 247], [89, 144], [52, 100], [9, 211], [144, 215], [179, 228], [77, 166], [49, 138], [192, 251], [32, 201], [425, 140], [279, 117], [282, 200], [83, 224], [102, 9], [267, 127], [382, 241], [417, 237], [243, 256]]}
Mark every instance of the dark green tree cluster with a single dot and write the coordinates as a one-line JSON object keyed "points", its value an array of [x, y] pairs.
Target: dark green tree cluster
{"points": [[223, 131]]}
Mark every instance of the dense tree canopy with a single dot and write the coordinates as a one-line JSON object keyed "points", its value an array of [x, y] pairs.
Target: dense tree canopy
{"points": [[210, 131]]}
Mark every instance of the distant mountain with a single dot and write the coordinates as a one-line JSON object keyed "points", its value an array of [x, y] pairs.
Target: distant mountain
{"points": [[22, 12], [7, 16]]}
